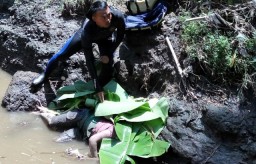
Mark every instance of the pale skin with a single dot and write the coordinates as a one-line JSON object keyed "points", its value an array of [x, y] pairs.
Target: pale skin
{"points": [[46, 113], [93, 140], [103, 19]]}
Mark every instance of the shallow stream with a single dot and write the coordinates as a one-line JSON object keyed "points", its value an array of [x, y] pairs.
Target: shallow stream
{"points": [[25, 138]]}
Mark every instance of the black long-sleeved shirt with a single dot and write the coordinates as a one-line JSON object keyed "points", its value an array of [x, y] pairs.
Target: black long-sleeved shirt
{"points": [[93, 34]]}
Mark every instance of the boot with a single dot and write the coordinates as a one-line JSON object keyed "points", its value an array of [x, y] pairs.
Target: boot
{"points": [[39, 80]]}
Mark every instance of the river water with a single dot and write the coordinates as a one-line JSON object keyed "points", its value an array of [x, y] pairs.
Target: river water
{"points": [[25, 138]]}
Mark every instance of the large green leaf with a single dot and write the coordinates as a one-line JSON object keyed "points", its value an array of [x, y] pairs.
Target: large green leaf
{"points": [[158, 148], [111, 96], [75, 95], [84, 93], [112, 151], [161, 108], [83, 86], [66, 90], [66, 105], [144, 144], [152, 102], [145, 141], [113, 86], [138, 116], [115, 150], [67, 96], [147, 147], [132, 141], [138, 121], [109, 107], [154, 126], [78, 86], [53, 106], [109, 153]]}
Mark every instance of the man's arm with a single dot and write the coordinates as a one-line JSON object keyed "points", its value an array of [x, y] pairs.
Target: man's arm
{"points": [[87, 45]]}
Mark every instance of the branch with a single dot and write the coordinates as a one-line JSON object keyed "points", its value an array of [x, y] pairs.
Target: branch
{"points": [[177, 63], [197, 18], [175, 57]]}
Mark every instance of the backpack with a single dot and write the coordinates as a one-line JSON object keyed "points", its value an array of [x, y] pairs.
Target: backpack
{"points": [[147, 20], [139, 6]]}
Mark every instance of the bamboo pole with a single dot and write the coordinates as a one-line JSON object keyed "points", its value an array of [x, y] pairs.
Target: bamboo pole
{"points": [[196, 18], [174, 57], [177, 64]]}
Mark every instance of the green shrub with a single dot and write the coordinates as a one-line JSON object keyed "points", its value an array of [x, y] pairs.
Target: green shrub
{"points": [[219, 52], [251, 44], [75, 7], [218, 55]]}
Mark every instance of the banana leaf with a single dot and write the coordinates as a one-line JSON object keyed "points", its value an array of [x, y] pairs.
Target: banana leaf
{"points": [[161, 108], [83, 86], [114, 150], [75, 95], [78, 86], [72, 96], [144, 144], [138, 116], [154, 126], [66, 104], [109, 107], [114, 91], [132, 141], [113, 86], [138, 121], [111, 96], [66, 90]]}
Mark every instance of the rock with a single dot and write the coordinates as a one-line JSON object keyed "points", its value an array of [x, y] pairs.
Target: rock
{"points": [[228, 120], [18, 96]]}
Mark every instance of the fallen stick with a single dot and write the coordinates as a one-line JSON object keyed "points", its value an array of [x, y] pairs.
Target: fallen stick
{"points": [[174, 57], [177, 63], [196, 18]]}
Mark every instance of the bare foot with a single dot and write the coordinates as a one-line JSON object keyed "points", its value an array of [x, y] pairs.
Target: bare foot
{"points": [[47, 117], [42, 109], [46, 110], [89, 155]]}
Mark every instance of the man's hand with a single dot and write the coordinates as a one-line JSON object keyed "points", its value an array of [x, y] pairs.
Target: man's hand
{"points": [[104, 59], [101, 96]]}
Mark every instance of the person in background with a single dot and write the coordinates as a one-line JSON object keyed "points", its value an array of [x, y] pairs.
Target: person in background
{"points": [[104, 26], [82, 124]]}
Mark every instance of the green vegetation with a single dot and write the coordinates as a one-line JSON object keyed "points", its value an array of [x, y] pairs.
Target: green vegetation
{"points": [[138, 121], [75, 7], [226, 57]]}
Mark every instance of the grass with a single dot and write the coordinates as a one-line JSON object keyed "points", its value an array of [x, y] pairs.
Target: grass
{"points": [[225, 58]]}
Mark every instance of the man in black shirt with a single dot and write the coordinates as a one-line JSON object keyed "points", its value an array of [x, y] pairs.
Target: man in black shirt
{"points": [[104, 26]]}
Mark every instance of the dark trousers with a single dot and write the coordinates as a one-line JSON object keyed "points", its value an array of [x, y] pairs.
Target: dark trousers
{"points": [[69, 119], [74, 45]]}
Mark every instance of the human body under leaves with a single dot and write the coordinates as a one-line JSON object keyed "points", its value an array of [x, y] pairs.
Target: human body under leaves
{"points": [[84, 125], [137, 121]]}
